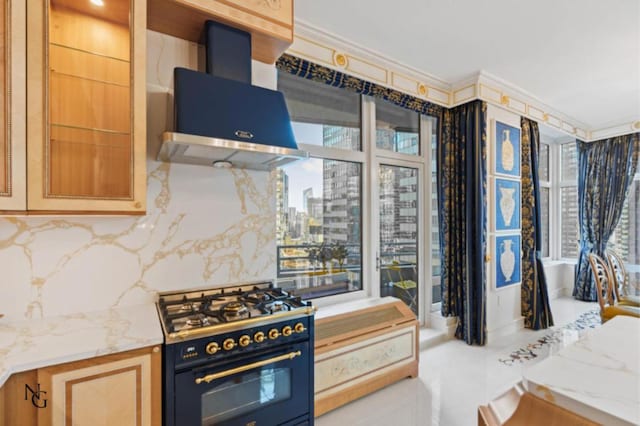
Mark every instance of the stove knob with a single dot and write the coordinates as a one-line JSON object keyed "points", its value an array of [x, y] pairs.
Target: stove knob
{"points": [[244, 340], [228, 344], [287, 330], [258, 337], [299, 327], [212, 348], [274, 334]]}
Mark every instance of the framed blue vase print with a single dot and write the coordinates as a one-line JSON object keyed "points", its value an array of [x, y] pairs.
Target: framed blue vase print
{"points": [[507, 250], [507, 152], [507, 204]]}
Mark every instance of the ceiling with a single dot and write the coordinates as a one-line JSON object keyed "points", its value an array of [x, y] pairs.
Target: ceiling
{"points": [[581, 57]]}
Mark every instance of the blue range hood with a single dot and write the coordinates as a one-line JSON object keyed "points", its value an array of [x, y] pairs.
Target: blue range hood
{"points": [[221, 119]]}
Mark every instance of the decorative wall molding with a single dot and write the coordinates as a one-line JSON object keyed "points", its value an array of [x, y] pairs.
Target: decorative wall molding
{"points": [[327, 49]]}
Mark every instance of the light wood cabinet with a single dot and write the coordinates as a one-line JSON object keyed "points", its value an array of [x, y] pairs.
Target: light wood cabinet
{"points": [[121, 389], [86, 106], [362, 350], [12, 105], [270, 22], [17, 403]]}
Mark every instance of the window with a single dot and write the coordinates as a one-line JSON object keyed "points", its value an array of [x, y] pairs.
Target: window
{"points": [[435, 241], [397, 129], [545, 188], [322, 115], [323, 211], [569, 201], [626, 238], [319, 200]]}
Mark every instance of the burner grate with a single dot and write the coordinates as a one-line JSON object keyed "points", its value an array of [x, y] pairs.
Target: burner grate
{"points": [[191, 310]]}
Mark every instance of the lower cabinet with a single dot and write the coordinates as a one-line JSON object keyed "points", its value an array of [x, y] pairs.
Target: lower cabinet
{"points": [[120, 389], [363, 350]]}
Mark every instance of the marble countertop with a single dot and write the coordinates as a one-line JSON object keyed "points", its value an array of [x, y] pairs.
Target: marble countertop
{"points": [[26, 345], [597, 377]]}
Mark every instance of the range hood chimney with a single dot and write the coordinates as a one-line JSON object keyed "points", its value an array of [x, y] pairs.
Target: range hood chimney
{"points": [[220, 118]]}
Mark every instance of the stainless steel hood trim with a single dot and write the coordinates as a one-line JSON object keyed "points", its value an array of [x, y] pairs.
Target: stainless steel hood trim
{"points": [[175, 149]]}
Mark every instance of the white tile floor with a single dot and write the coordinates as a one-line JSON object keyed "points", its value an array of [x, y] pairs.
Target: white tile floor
{"points": [[454, 379]]}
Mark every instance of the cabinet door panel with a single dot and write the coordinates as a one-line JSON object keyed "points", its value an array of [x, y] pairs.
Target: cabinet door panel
{"points": [[5, 167], [120, 389], [12, 106]]}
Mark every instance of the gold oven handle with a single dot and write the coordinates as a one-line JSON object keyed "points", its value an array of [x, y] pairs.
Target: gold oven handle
{"points": [[211, 377]]}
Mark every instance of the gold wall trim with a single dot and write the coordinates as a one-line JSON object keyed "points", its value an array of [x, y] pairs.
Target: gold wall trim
{"points": [[487, 88], [342, 60]]}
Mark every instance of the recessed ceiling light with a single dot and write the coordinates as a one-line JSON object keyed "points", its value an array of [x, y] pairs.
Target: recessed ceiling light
{"points": [[98, 2]]}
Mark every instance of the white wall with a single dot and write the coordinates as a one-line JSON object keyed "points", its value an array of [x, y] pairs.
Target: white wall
{"points": [[560, 275], [203, 226]]}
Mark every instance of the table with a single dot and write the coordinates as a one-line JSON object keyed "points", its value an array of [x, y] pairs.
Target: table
{"points": [[597, 377]]}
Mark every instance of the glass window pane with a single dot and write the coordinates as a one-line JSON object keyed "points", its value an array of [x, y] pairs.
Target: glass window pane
{"points": [[544, 210], [436, 295], [321, 114], [626, 238], [543, 163], [399, 233], [318, 226], [570, 230], [397, 128], [569, 162]]}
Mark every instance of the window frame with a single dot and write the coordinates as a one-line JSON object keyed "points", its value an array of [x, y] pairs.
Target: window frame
{"points": [[561, 183], [369, 157], [548, 184]]}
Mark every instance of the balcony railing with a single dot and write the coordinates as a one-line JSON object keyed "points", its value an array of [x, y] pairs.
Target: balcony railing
{"points": [[296, 270]]}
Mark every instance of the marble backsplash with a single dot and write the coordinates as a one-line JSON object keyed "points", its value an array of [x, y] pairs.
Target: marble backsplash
{"points": [[203, 226]]}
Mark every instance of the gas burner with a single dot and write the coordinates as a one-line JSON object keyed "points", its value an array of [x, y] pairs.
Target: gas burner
{"points": [[234, 309], [188, 307], [198, 321], [184, 312], [277, 306]]}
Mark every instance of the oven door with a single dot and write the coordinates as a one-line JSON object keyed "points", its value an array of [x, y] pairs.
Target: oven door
{"points": [[266, 388]]}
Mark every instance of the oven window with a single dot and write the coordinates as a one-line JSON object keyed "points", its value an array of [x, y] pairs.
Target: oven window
{"points": [[242, 394]]}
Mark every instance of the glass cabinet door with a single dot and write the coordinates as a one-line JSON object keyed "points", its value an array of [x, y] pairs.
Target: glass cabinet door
{"points": [[89, 156], [89, 146]]}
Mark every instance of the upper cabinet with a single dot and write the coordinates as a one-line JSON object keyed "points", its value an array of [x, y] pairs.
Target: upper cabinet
{"points": [[12, 105], [270, 22], [86, 106]]}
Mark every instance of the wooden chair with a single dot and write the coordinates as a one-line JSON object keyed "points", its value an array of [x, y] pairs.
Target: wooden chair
{"points": [[604, 285], [621, 281], [516, 407]]}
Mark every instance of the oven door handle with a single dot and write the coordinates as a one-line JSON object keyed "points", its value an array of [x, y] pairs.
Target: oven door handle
{"points": [[211, 377]]}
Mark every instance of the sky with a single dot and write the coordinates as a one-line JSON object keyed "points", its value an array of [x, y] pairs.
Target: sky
{"points": [[307, 173]]}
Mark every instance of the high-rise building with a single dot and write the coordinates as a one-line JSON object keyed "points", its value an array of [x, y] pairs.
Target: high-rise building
{"points": [[341, 189], [306, 194], [282, 204]]}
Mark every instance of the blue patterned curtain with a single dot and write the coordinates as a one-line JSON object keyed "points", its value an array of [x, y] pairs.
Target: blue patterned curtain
{"points": [[461, 156], [315, 72], [605, 172], [534, 299]]}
